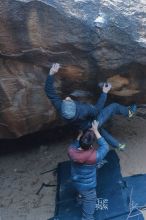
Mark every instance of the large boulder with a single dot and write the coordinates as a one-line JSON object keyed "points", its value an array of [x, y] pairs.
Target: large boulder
{"points": [[93, 40]]}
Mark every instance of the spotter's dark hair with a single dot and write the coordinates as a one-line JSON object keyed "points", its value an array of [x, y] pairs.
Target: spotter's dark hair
{"points": [[87, 139]]}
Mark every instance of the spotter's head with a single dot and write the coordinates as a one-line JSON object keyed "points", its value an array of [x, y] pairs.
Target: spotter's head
{"points": [[87, 140]]}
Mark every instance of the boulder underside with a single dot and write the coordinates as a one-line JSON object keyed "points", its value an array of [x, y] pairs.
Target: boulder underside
{"points": [[35, 34]]}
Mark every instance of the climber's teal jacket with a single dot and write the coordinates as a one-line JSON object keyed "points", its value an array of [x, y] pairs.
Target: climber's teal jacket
{"points": [[84, 111]]}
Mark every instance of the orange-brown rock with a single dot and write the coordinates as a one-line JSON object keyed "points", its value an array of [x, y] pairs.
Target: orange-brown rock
{"points": [[34, 34]]}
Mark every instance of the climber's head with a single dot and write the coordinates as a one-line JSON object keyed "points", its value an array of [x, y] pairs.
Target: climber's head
{"points": [[68, 108]]}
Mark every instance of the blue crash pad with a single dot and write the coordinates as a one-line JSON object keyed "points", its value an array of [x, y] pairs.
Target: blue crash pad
{"points": [[112, 193]]}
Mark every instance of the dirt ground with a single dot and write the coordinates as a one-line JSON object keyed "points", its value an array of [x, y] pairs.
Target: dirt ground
{"points": [[20, 171]]}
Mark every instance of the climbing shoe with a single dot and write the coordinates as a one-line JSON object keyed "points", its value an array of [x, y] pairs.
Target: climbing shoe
{"points": [[121, 147], [132, 110]]}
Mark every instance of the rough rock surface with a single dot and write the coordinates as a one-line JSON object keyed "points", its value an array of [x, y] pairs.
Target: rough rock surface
{"points": [[33, 34]]}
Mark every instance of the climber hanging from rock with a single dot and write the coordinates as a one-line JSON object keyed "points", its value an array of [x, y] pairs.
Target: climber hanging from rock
{"points": [[81, 115], [69, 109]]}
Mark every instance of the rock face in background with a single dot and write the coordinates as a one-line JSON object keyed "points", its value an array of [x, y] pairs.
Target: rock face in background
{"points": [[34, 34]]}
